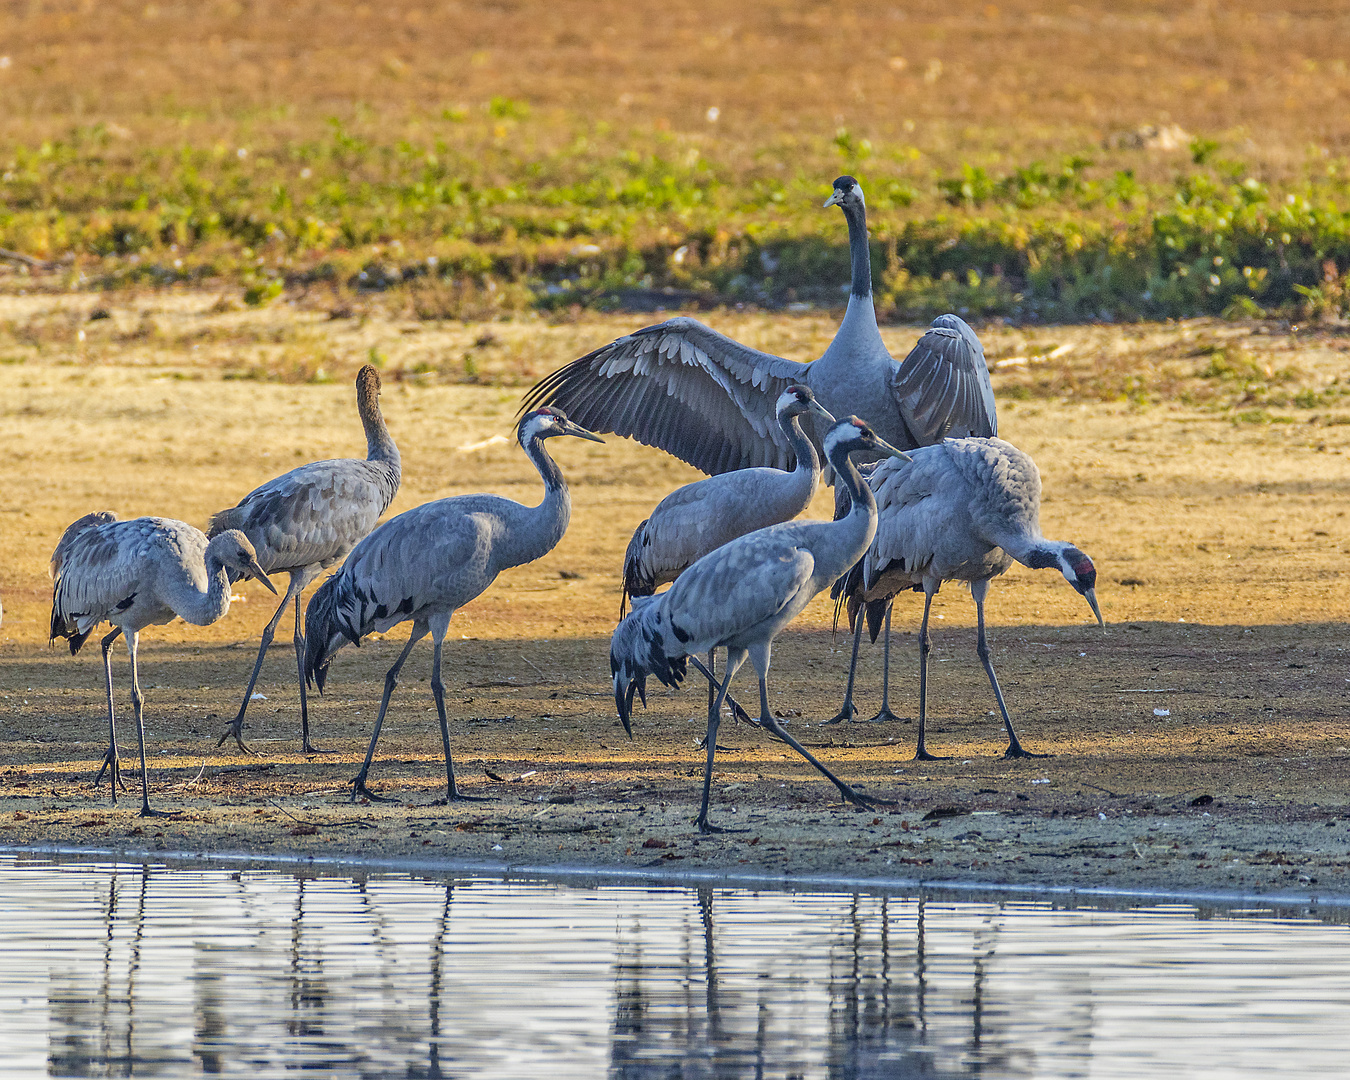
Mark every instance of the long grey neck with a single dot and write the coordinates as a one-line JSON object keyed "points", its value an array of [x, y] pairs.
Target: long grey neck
{"points": [[203, 608], [857, 346], [1032, 549], [549, 519], [380, 444], [861, 257], [862, 503], [808, 463]]}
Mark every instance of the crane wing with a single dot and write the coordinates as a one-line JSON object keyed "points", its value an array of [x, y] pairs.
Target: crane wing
{"points": [[314, 514], [737, 587], [942, 387], [910, 521], [102, 568], [683, 387], [406, 564]]}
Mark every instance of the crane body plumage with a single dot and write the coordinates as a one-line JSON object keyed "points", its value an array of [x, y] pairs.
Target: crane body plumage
{"points": [[700, 517], [962, 510], [309, 519], [707, 399], [741, 595], [426, 563], [138, 573]]}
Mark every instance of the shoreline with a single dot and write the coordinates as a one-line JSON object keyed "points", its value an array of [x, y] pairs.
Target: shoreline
{"points": [[598, 876]]}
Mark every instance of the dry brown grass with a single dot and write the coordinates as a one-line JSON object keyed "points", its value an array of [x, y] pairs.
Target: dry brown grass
{"points": [[1009, 79]]}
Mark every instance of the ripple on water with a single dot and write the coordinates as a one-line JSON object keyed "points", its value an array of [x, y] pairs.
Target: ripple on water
{"points": [[125, 969]]}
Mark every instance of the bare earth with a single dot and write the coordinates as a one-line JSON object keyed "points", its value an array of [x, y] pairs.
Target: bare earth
{"points": [[1199, 743]]}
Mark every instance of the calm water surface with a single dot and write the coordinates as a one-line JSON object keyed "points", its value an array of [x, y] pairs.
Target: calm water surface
{"points": [[124, 970]]}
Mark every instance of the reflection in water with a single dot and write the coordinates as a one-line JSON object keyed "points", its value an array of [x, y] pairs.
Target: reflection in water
{"points": [[144, 971]]}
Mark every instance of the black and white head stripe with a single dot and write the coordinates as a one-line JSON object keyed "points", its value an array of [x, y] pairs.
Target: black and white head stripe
{"points": [[848, 186]]}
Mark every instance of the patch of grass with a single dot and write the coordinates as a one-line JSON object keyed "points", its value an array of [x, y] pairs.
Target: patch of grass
{"points": [[558, 167]]}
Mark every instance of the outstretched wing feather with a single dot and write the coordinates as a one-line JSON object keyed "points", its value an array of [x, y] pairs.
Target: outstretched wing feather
{"points": [[683, 387], [942, 387]]}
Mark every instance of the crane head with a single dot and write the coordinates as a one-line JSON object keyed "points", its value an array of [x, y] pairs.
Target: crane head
{"points": [[235, 552], [551, 421], [1082, 575], [851, 434], [846, 191], [798, 399]]}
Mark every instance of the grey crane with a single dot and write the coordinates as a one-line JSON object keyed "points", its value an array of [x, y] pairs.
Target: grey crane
{"points": [[740, 597], [428, 562], [693, 520], [708, 399], [307, 520], [135, 574], [963, 510]]}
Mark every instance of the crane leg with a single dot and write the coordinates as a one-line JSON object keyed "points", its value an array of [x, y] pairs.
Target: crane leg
{"points": [[452, 793], [735, 658], [137, 701], [236, 728], [111, 761], [979, 590], [771, 724], [307, 746], [419, 631], [921, 752], [847, 711], [885, 713], [736, 711]]}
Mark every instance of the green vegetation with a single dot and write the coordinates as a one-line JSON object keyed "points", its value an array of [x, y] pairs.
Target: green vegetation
{"points": [[475, 214]]}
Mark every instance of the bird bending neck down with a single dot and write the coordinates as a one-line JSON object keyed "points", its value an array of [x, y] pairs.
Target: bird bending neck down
{"points": [[134, 574]]}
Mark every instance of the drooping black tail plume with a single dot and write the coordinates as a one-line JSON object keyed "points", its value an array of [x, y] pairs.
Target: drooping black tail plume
{"points": [[324, 634], [636, 651], [635, 582], [65, 624]]}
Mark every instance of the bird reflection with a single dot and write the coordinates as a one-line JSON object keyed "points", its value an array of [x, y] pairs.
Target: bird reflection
{"points": [[350, 978], [94, 1034]]}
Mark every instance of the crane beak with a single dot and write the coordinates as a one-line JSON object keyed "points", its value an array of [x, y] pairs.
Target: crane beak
{"points": [[1091, 597], [820, 410], [256, 571], [580, 432], [887, 448], [833, 200]]}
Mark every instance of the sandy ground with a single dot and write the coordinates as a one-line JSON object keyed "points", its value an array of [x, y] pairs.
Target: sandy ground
{"points": [[1200, 742]]}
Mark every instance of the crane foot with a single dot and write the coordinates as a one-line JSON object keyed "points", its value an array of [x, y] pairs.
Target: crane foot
{"points": [[864, 802], [359, 790], [848, 712], [1018, 752], [459, 796], [310, 748], [236, 730], [707, 827], [924, 755], [147, 812], [885, 716]]}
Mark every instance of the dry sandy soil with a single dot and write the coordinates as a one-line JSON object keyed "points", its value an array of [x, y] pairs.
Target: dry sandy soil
{"points": [[1200, 742]]}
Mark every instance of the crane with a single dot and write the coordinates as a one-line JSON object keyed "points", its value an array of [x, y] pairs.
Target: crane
{"points": [[693, 520], [426, 563], [135, 574], [708, 399], [741, 595], [963, 510], [307, 520]]}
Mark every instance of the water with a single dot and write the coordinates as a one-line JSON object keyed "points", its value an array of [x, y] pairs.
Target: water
{"points": [[124, 970]]}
